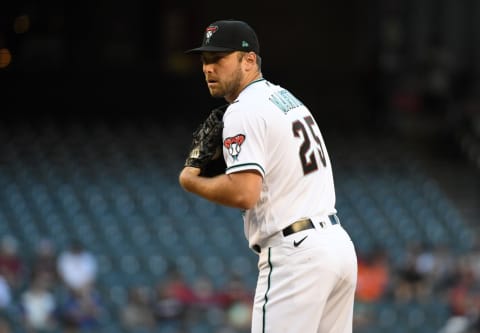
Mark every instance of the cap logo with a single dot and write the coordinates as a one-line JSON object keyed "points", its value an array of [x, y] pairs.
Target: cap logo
{"points": [[209, 33], [244, 43]]}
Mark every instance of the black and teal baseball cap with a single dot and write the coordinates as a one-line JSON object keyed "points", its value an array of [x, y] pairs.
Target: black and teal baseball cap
{"points": [[228, 35]]}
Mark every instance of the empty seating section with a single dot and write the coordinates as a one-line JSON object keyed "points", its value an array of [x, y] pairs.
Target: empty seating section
{"points": [[387, 199], [115, 188]]}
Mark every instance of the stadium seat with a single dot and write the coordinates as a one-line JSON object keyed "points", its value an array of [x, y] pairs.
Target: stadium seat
{"points": [[118, 192]]}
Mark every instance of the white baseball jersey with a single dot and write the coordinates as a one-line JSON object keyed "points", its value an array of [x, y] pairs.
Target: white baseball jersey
{"points": [[307, 279], [268, 130]]}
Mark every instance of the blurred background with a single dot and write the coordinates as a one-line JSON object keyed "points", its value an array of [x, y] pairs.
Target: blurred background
{"points": [[98, 103]]}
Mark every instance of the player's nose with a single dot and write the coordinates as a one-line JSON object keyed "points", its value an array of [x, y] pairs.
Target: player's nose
{"points": [[207, 68]]}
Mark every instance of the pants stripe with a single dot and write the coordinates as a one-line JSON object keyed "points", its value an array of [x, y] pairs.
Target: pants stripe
{"points": [[268, 288]]}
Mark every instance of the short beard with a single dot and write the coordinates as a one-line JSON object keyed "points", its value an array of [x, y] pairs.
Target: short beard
{"points": [[232, 86]]}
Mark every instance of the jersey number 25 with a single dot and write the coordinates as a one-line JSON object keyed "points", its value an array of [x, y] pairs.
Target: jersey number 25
{"points": [[307, 153]]}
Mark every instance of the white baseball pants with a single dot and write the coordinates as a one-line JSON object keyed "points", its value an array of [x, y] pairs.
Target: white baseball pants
{"points": [[308, 288]]}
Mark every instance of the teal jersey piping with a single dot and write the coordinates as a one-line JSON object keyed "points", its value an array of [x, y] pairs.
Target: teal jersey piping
{"points": [[248, 85], [257, 80], [246, 164], [268, 289]]}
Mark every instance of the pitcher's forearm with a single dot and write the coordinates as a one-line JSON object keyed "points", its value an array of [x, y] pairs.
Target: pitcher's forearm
{"points": [[239, 190]]}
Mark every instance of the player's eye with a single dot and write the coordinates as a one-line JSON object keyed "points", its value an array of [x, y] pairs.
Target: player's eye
{"points": [[213, 58]]}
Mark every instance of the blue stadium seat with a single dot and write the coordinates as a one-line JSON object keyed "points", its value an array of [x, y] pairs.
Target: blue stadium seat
{"points": [[118, 192]]}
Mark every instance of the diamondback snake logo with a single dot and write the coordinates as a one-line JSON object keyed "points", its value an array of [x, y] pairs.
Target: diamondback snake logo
{"points": [[209, 33], [233, 145]]}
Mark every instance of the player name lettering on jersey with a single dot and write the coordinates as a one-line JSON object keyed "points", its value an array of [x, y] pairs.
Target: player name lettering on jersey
{"points": [[284, 100]]}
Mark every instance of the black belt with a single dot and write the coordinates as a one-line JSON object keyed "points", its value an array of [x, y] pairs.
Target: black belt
{"points": [[301, 225], [297, 226]]}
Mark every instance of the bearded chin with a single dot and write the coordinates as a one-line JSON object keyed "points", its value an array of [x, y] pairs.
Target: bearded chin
{"points": [[230, 88], [217, 94]]}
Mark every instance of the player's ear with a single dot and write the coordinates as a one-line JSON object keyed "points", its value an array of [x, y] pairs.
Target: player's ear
{"points": [[250, 58]]}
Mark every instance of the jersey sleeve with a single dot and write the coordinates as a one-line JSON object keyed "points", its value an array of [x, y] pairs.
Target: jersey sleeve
{"points": [[243, 141]]}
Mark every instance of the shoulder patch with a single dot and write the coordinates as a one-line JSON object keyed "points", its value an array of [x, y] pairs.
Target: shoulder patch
{"points": [[233, 145]]}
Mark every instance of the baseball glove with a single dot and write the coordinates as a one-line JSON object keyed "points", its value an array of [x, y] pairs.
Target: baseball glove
{"points": [[206, 148]]}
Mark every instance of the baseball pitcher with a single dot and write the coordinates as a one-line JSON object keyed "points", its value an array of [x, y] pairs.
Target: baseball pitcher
{"points": [[277, 170]]}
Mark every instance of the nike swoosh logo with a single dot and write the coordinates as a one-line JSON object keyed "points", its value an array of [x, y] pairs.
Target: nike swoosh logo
{"points": [[296, 244]]}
